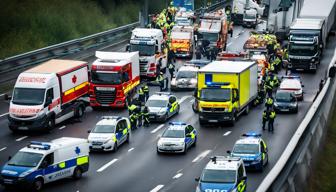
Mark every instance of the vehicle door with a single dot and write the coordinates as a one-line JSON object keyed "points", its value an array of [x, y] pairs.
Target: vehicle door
{"points": [[119, 132], [263, 150], [241, 180], [124, 129], [172, 105], [188, 136], [49, 171]]}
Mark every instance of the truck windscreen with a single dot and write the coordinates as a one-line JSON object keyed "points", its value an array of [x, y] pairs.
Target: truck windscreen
{"points": [[302, 49], [105, 78], [212, 37], [28, 96], [186, 74], [144, 50], [215, 94], [249, 16]]}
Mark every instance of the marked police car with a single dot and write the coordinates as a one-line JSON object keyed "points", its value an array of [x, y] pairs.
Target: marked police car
{"points": [[109, 133], [43, 162], [252, 150], [178, 137], [186, 78], [162, 106], [223, 174]]}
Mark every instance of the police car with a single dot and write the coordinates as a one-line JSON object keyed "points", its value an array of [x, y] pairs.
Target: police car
{"points": [[186, 78], [43, 162], [292, 83], [223, 174], [109, 133], [162, 106], [178, 137], [252, 150]]}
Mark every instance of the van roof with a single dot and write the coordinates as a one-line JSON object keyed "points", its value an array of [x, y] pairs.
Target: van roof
{"points": [[227, 66], [57, 66], [303, 23]]}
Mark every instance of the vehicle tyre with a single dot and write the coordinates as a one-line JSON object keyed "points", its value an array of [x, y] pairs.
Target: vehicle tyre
{"points": [[37, 185], [267, 160], [128, 138], [185, 149], [193, 108], [157, 151], [80, 111], [247, 110], [234, 119], [77, 174], [178, 110], [261, 169], [296, 109], [115, 147], [51, 123], [194, 144]]}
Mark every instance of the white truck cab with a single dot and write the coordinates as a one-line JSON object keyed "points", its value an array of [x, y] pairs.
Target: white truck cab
{"points": [[42, 162], [150, 44]]}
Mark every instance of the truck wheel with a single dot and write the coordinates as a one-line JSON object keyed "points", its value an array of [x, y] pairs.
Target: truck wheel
{"points": [[80, 111], [77, 174], [37, 185], [51, 123], [247, 110]]}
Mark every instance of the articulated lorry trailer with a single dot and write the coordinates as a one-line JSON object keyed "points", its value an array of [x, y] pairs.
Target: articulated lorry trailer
{"points": [[225, 90], [309, 32]]}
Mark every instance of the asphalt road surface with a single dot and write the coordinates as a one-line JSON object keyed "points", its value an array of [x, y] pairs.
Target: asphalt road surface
{"points": [[136, 167]]}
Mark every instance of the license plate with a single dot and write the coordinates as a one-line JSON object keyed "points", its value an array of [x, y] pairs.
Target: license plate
{"points": [[152, 116], [284, 109], [96, 147], [8, 181], [23, 128], [213, 121], [104, 105]]}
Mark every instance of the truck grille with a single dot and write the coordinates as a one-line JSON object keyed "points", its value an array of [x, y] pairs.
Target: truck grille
{"points": [[143, 67], [105, 97], [213, 110], [300, 63]]}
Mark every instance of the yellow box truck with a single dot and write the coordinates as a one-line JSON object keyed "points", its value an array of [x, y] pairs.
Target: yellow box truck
{"points": [[225, 90]]}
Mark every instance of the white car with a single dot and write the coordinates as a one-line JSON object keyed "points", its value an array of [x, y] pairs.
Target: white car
{"points": [[109, 133], [292, 84], [178, 137], [162, 106], [186, 78]]}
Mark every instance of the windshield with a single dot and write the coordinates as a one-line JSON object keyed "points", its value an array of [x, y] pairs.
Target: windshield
{"points": [[25, 159], [183, 22], [170, 133], [144, 50], [283, 97], [246, 149], [209, 94], [103, 129], [156, 103], [218, 176], [28, 96], [212, 37], [186, 74], [249, 16], [105, 78], [302, 49]]}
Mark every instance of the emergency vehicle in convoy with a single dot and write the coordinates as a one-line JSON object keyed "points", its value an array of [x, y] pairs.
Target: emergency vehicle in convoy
{"points": [[225, 90], [114, 78], [49, 94], [43, 162], [214, 28], [150, 44], [182, 41]]}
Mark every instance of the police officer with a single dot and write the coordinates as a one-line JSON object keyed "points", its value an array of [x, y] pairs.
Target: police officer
{"points": [[131, 108], [146, 91], [268, 87], [133, 121], [145, 116], [141, 94], [198, 52], [160, 80], [271, 119], [265, 116], [269, 103], [171, 69]]}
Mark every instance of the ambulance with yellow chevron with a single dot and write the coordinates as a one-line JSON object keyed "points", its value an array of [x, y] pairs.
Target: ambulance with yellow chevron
{"points": [[225, 90]]}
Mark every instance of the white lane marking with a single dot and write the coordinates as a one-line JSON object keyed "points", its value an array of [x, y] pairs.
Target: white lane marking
{"points": [[191, 101], [158, 128], [107, 165], [177, 175], [157, 188], [21, 138], [3, 114], [229, 44], [184, 98], [2, 94], [227, 133], [131, 149], [3, 148], [62, 127], [201, 156], [236, 36]]}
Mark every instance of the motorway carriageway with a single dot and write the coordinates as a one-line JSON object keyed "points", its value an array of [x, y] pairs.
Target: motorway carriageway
{"points": [[136, 167]]}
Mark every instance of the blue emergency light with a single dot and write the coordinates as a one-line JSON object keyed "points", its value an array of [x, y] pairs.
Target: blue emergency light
{"points": [[251, 134], [177, 123], [39, 145], [111, 117]]}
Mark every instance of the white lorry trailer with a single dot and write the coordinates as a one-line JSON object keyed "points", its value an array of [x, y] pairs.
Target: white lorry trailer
{"points": [[308, 34], [49, 94]]}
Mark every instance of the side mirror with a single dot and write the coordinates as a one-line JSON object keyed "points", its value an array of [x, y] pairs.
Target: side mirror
{"points": [[302, 85], [128, 47], [9, 158], [228, 152], [89, 131], [195, 93], [7, 97], [157, 49], [197, 179]]}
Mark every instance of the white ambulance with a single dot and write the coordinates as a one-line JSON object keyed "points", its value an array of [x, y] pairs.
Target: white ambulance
{"points": [[43, 162], [49, 94]]}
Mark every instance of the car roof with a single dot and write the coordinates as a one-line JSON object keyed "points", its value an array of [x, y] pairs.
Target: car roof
{"points": [[107, 122], [177, 127], [290, 83], [159, 97], [225, 163]]}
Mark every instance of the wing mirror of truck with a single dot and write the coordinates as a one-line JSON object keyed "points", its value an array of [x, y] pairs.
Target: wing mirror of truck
{"points": [[197, 179], [195, 93], [7, 97], [89, 131], [128, 47], [157, 49], [228, 152]]}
